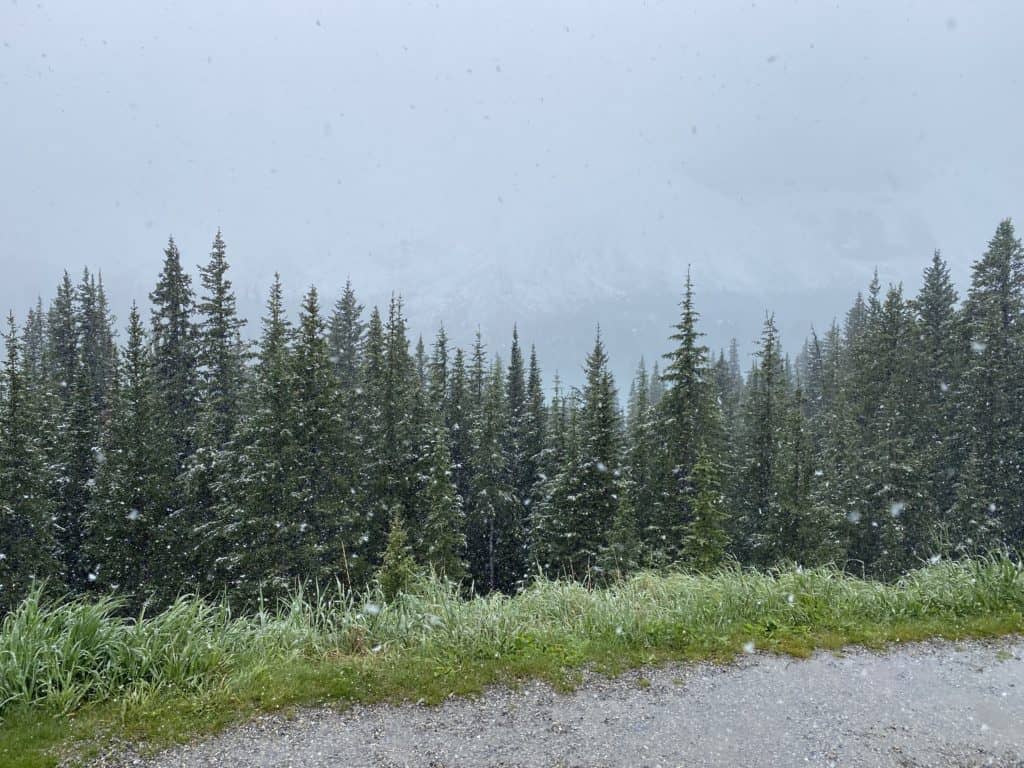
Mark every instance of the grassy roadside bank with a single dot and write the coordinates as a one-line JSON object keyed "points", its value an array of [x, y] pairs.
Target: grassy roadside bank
{"points": [[75, 678]]}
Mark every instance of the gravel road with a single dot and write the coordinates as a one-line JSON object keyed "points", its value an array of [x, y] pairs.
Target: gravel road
{"points": [[927, 704]]}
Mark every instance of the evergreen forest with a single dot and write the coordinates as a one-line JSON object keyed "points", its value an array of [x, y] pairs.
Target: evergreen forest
{"points": [[182, 452]]}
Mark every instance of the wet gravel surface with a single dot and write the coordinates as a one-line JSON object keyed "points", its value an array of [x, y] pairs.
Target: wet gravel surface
{"points": [[927, 704]]}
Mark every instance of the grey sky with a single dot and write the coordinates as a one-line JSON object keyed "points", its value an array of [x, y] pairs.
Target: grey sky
{"points": [[558, 164]]}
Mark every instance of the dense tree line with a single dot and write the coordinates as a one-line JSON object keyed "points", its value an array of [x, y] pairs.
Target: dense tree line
{"points": [[187, 459]]}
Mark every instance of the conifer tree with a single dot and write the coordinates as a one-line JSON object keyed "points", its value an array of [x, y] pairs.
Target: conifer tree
{"points": [[730, 392], [533, 440], [97, 369], [459, 415], [622, 554], [257, 519], [437, 385], [84, 411], [34, 356], [173, 338], [320, 498], [764, 522], [588, 488], [421, 364], [62, 342], [869, 449], [495, 539], [401, 434], [398, 570], [895, 457], [444, 523], [220, 351], [990, 495], [657, 386], [810, 535], [827, 420], [937, 425], [552, 538], [687, 420], [707, 536], [643, 444], [130, 499], [27, 547], [62, 363], [729, 387], [860, 391], [345, 340], [373, 493], [220, 358], [515, 441]]}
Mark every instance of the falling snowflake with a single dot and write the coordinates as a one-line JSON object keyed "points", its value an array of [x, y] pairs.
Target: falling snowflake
{"points": [[133, 514], [978, 347], [896, 509], [790, 598], [749, 647], [853, 516], [371, 609]]}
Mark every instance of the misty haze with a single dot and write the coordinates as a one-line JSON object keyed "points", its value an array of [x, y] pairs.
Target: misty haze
{"points": [[601, 359]]}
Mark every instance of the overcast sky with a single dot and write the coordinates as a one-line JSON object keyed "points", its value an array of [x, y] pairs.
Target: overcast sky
{"points": [[555, 163]]}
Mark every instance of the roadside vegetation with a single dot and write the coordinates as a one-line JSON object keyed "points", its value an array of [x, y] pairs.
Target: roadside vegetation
{"points": [[80, 676]]}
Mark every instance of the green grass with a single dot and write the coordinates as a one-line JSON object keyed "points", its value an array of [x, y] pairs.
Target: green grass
{"points": [[76, 678]]}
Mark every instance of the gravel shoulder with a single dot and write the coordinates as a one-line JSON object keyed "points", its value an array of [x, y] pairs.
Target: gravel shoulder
{"points": [[925, 704]]}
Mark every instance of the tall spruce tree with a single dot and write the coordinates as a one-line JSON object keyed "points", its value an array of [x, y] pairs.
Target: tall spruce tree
{"points": [[374, 494], [515, 440], [551, 538], [437, 377], [220, 359], [495, 539], [130, 500], [761, 536], [896, 459], [533, 437], [588, 488], [642, 447], [939, 370], [84, 413], [27, 547], [345, 339], [688, 421], [173, 338], [323, 497], [444, 521], [990, 493], [458, 416], [257, 523]]}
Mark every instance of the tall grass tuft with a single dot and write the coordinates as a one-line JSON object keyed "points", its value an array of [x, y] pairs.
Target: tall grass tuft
{"points": [[60, 655]]}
